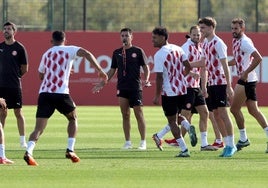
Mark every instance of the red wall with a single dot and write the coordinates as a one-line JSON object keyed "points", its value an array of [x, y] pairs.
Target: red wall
{"points": [[102, 44]]}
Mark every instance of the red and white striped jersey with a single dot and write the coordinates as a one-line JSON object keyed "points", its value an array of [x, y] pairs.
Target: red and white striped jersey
{"points": [[56, 64], [169, 61], [242, 50], [213, 51]]}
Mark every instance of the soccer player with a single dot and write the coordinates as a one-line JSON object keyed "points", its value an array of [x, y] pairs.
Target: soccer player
{"points": [[170, 65], [127, 61], [194, 100], [3, 159], [219, 89], [54, 71], [13, 65], [246, 59]]}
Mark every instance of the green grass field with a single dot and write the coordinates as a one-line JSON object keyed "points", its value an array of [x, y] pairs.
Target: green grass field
{"points": [[103, 164]]}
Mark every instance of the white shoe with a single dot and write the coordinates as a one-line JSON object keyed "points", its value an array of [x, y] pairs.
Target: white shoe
{"points": [[142, 146], [23, 144], [127, 146]]}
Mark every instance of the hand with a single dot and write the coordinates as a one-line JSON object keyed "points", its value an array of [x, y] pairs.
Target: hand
{"points": [[204, 92], [3, 103], [98, 87], [156, 100], [147, 84], [244, 76]]}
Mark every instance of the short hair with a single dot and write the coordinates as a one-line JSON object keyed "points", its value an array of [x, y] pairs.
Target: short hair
{"points": [[162, 31], [14, 27], [58, 36], [126, 29], [239, 21], [209, 21], [193, 27]]}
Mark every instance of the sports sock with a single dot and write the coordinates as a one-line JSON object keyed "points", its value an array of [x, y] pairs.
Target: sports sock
{"points": [[163, 132], [30, 147], [2, 151], [231, 141], [266, 130], [204, 140], [142, 142], [218, 141], [243, 135], [226, 141], [71, 142], [181, 143], [22, 139], [186, 124]]}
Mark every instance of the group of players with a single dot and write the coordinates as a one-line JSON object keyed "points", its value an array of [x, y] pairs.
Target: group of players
{"points": [[194, 77], [204, 56]]}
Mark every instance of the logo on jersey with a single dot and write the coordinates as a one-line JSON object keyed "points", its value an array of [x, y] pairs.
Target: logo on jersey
{"points": [[14, 53], [134, 55]]}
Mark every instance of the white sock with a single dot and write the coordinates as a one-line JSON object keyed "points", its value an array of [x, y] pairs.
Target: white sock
{"points": [[163, 132], [266, 131], [143, 142], [30, 147], [218, 141], [71, 142], [186, 124], [128, 142], [2, 151], [22, 139], [182, 144], [204, 139], [243, 135], [231, 140], [226, 141]]}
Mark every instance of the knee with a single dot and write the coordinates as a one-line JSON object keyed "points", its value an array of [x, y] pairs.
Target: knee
{"points": [[71, 116], [125, 115], [234, 110]]}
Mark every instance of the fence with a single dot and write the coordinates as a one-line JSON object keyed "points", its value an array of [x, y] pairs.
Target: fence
{"points": [[140, 15]]}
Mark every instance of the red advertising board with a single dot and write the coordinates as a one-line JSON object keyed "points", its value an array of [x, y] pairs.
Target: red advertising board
{"points": [[102, 44]]}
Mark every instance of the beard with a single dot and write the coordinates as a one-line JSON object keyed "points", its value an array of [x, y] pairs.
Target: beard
{"points": [[236, 35], [7, 36]]}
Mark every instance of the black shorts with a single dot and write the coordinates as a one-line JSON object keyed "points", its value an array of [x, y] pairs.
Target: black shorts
{"points": [[217, 96], [48, 102], [209, 105], [193, 98], [173, 105], [250, 89], [134, 96], [12, 96]]}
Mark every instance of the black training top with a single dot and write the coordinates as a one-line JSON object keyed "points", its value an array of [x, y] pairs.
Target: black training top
{"points": [[129, 68], [11, 59]]}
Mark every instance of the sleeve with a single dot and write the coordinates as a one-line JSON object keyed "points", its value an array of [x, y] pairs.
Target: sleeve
{"points": [[185, 48], [221, 49], [248, 46], [184, 55], [23, 56], [41, 67], [114, 61], [158, 62]]}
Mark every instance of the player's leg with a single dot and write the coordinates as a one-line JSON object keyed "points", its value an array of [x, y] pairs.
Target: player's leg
{"points": [[125, 112]]}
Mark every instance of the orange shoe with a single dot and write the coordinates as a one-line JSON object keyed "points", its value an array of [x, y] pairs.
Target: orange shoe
{"points": [[5, 161], [29, 159], [172, 142], [71, 155]]}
